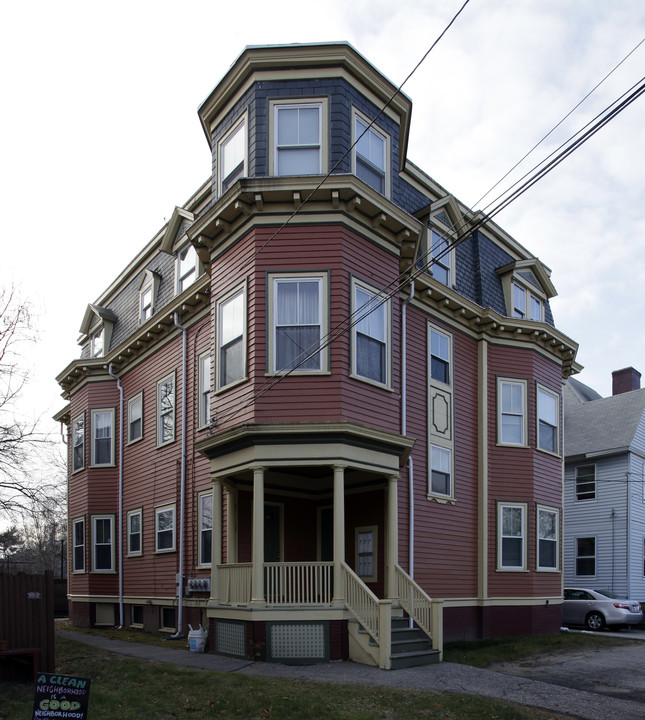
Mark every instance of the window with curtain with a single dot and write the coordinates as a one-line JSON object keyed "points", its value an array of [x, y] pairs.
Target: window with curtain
{"points": [[297, 314], [102, 435], [230, 337]]}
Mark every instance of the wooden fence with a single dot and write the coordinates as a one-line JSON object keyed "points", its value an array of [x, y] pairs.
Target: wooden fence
{"points": [[26, 623]]}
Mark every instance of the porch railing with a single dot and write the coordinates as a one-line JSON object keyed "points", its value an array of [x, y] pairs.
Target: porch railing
{"points": [[235, 583], [361, 602], [426, 612], [298, 584], [285, 584]]}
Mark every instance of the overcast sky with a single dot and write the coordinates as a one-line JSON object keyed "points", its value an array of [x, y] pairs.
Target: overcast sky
{"points": [[100, 140]]}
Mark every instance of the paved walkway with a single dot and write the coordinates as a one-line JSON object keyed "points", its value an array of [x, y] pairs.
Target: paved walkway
{"points": [[444, 677]]}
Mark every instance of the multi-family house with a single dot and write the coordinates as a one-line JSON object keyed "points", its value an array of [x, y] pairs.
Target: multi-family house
{"points": [[604, 530], [325, 395]]}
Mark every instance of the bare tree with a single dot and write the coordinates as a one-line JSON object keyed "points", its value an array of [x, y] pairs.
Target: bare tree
{"points": [[22, 445]]}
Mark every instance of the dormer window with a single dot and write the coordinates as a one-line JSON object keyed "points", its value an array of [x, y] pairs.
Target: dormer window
{"points": [[445, 222], [525, 304], [527, 287], [147, 294], [146, 303], [96, 343], [441, 258], [370, 154], [298, 147], [232, 156], [186, 267]]}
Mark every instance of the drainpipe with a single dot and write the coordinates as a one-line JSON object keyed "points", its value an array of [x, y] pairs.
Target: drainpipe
{"points": [[182, 509], [404, 428], [63, 434], [120, 523]]}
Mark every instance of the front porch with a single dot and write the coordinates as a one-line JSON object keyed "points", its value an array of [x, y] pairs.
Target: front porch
{"points": [[305, 546]]}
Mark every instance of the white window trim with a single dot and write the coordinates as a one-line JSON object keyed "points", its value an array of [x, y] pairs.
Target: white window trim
{"points": [[133, 399], [374, 530], [542, 389], [82, 443], [75, 522], [530, 292], [323, 104], [553, 511], [131, 514], [500, 528], [387, 148], [595, 483], [379, 297], [204, 393], [201, 529], [501, 381], [93, 413], [218, 355], [158, 510], [93, 519], [179, 280], [323, 280], [577, 556], [240, 124], [159, 429], [451, 493]]}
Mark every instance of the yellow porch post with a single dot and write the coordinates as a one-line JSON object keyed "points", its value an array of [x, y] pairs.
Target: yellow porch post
{"points": [[216, 541], [392, 537], [339, 533], [257, 558]]}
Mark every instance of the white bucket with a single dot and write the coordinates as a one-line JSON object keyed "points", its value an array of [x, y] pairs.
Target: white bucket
{"points": [[197, 639]]}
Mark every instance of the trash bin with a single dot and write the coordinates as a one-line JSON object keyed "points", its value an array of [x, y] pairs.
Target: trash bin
{"points": [[197, 639]]}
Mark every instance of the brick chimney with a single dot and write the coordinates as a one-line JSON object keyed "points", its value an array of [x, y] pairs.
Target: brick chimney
{"points": [[625, 380]]}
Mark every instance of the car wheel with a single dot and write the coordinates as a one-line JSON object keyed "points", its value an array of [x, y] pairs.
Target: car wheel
{"points": [[595, 621]]}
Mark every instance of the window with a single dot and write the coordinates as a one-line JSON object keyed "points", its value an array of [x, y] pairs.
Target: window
{"points": [[526, 304], [186, 267], [366, 567], [167, 619], [96, 343], [232, 156], [440, 356], [78, 443], [586, 482], [297, 315], [135, 418], [547, 420], [547, 528], [78, 534], [370, 154], [371, 335], [441, 258], [511, 520], [297, 139], [512, 412], [231, 338], [440, 471], [166, 410], [205, 503], [134, 532], [145, 299], [136, 615], [165, 528], [586, 556], [204, 400], [102, 437], [103, 547]]}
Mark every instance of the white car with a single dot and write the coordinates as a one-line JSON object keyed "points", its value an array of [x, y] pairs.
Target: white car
{"points": [[599, 608]]}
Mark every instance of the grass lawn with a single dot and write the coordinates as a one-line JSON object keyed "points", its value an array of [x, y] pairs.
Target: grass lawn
{"points": [[128, 689]]}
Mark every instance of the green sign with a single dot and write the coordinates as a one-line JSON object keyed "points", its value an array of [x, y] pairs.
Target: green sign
{"points": [[61, 697]]}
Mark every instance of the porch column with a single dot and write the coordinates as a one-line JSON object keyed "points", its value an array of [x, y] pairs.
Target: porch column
{"points": [[216, 542], [392, 537], [339, 533], [231, 525], [257, 553]]}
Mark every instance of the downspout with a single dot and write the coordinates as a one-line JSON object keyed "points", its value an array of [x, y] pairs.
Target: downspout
{"points": [[182, 509], [404, 428], [120, 523], [628, 536]]}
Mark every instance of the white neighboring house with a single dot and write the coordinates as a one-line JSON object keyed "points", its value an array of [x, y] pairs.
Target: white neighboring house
{"points": [[604, 489]]}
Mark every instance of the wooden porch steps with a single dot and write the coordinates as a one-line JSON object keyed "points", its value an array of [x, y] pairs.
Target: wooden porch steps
{"points": [[409, 647]]}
